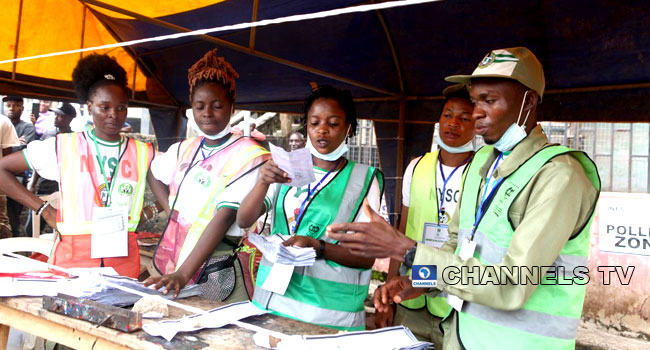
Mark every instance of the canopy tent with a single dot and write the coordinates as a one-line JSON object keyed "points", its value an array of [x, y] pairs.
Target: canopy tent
{"points": [[393, 60]]}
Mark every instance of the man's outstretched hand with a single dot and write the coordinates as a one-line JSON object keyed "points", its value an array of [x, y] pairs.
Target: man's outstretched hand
{"points": [[374, 239]]}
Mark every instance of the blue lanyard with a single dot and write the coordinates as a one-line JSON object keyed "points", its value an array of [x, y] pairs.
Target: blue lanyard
{"points": [[445, 180], [487, 197], [211, 151], [310, 192]]}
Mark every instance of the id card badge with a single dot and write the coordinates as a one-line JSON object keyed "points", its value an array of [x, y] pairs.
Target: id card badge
{"points": [[467, 249], [109, 234], [435, 235]]}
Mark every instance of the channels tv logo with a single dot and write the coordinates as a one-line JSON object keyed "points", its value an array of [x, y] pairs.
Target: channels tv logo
{"points": [[424, 276]]}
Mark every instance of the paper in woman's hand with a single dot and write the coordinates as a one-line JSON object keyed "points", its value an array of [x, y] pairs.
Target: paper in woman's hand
{"points": [[297, 164]]}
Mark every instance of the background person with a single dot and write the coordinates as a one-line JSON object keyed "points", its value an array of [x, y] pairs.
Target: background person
{"points": [[430, 192], [296, 141], [8, 139], [14, 106], [44, 122]]}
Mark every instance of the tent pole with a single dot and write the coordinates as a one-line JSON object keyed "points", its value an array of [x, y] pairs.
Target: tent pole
{"points": [[241, 49], [251, 43], [399, 166], [20, 19], [393, 51]]}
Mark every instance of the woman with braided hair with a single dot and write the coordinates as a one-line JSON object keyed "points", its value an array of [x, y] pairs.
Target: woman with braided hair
{"points": [[200, 182], [101, 176]]}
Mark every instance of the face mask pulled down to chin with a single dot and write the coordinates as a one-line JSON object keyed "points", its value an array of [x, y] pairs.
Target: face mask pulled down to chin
{"points": [[515, 132]]}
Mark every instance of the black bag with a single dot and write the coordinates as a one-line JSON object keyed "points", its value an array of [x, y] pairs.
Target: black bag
{"points": [[217, 280]]}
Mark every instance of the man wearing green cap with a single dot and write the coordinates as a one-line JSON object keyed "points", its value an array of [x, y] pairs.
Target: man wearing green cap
{"points": [[526, 206]]}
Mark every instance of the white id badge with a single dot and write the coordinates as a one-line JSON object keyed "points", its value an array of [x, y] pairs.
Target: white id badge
{"points": [[467, 249], [109, 233], [435, 235]]}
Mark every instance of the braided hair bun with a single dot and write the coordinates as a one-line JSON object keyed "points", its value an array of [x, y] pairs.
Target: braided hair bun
{"points": [[94, 71], [212, 69]]}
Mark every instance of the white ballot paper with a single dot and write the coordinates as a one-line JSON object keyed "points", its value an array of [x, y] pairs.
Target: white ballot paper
{"points": [[214, 318], [278, 279], [109, 235], [388, 338], [297, 164], [273, 251]]}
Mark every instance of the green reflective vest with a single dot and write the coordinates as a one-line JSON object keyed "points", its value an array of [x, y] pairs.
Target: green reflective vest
{"points": [[326, 293], [549, 318], [423, 208]]}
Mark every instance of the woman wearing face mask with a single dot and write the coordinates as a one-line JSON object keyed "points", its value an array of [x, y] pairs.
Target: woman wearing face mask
{"points": [[200, 182], [101, 176], [425, 217], [330, 292]]}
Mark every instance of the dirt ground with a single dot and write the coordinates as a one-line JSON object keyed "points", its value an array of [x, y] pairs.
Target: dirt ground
{"points": [[594, 336]]}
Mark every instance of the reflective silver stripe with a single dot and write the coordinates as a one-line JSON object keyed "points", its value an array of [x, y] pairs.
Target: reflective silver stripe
{"points": [[527, 320], [462, 233], [306, 312], [570, 262], [488, 250], [493, 254], [324, 271], [353, 191]]}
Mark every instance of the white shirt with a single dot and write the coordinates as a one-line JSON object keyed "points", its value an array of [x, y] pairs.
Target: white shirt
{"points": [[164, 166], [8, 137], [452, 190], [295, 197], [41, 156]]}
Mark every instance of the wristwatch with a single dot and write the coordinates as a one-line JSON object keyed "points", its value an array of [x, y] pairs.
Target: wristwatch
{"points": [[409, 257], [320, 252]]}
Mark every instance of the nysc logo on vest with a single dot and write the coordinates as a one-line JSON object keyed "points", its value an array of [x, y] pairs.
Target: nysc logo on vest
{"points": [[125, 189], [202, 179]]}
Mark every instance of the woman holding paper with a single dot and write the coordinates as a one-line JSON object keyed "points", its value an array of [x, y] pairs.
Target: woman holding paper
{"points": [[200, 182], [331, 291], [101, 176]]}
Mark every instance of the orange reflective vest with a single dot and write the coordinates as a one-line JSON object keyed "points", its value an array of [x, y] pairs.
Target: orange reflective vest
{"points": [[79, 195]]}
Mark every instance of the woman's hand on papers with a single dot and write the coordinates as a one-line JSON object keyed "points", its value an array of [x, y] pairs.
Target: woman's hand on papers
{"points": [[302, 242], [396, 290], [270, 174], [173, 281], [374, 239]]}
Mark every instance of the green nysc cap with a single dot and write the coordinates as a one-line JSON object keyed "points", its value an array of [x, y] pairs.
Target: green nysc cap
{"points": [[516, 63]]}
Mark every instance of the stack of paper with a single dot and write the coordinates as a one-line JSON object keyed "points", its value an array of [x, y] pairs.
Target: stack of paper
{"points": [[94, 288], [273, 250], [214, 318], [389, 338]]}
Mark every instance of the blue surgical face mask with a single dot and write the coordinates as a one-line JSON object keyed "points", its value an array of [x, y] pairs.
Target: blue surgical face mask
{"points": [[515, 132], [332, 156], [216, 136], [468, 147]]}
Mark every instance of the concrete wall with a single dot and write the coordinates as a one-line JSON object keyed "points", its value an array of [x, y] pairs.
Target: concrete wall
{"points": [[624, 307]]}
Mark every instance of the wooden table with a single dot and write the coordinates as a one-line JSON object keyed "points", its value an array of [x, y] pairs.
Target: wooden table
{"points": [[28, 315]]}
